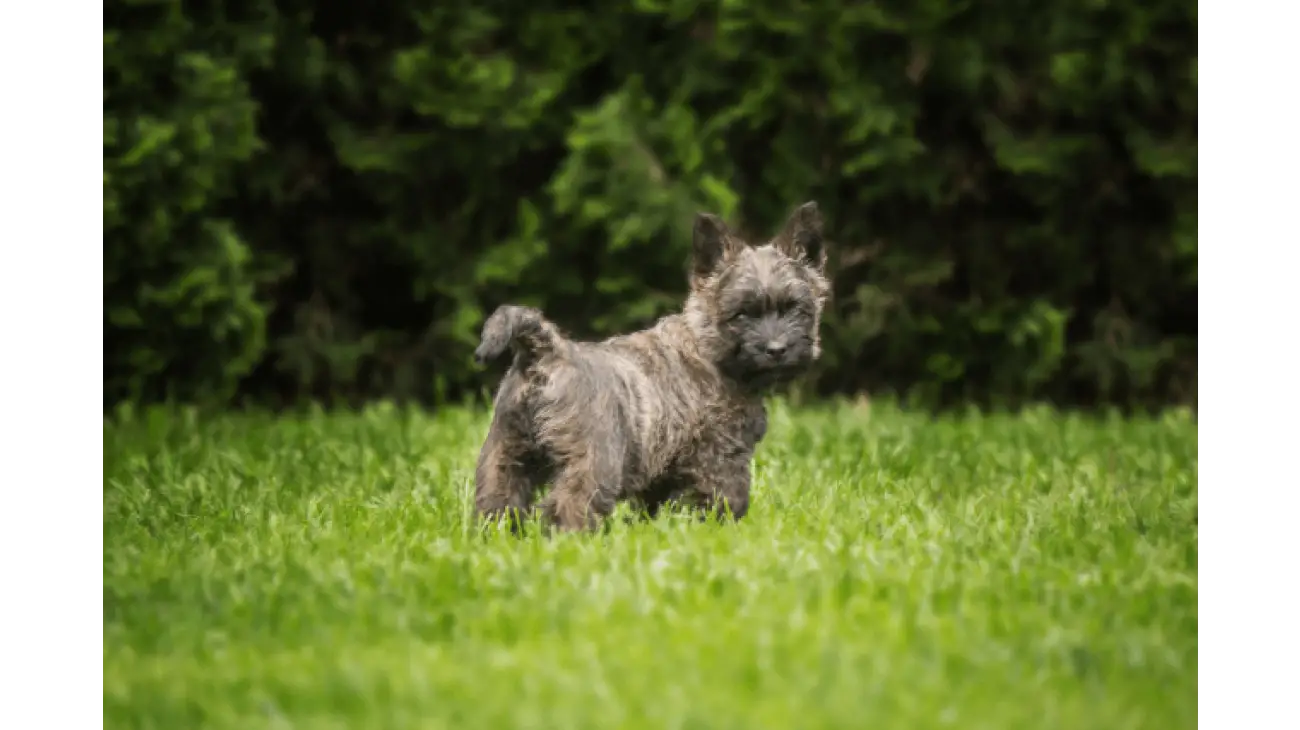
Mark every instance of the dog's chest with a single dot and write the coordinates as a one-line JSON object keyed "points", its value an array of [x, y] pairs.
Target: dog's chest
{"points": [[726, 431]]}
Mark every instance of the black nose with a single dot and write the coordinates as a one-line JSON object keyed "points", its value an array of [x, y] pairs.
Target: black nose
{"points": [[775, 348]]}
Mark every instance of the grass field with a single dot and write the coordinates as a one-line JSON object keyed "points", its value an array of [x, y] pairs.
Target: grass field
{"points": [[895, 571]]}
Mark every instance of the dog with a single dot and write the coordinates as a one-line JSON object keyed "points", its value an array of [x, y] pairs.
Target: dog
{"points": [[672, 413]]}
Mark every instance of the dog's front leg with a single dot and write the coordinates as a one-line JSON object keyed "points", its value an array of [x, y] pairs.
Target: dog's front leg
{"points": [[723, 489]]}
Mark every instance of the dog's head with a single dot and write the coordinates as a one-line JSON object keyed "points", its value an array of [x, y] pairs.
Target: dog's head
{"points": [[759, 305]]}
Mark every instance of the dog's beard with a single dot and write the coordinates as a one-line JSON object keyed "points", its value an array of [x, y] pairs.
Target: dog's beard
{"points": [[757, 372]]}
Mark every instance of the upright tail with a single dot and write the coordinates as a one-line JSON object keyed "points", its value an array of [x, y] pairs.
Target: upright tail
{"points": [[522, 329]]}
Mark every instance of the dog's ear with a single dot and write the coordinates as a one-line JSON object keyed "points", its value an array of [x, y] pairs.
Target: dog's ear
{"points": [[711, 244], [802, 239]]}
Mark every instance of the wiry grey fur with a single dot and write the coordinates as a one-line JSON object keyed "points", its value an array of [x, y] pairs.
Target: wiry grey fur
{"points": [[673, 412]]}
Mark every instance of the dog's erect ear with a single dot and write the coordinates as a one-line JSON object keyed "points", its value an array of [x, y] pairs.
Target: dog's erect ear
{"points": [[711, 244], [801, 239]]}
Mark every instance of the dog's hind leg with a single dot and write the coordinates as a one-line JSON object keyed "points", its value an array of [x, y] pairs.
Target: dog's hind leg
{"points": [[503, 485], [584, 494], [509, 470]]}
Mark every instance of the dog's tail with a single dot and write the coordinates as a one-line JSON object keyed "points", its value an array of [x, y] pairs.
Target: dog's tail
{"points": [[522, 329]]}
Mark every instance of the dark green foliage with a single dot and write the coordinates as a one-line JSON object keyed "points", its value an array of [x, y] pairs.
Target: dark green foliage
{"points": [[324, 200], [182, 315]]}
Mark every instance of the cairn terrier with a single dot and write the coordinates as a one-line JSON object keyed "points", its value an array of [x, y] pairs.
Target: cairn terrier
{"points": [[670, 413]]}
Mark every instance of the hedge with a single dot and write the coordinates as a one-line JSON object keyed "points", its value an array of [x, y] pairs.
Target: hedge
{"points": [[314, 202]]}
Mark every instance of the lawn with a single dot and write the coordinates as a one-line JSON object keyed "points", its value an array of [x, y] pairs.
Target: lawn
{"points": [[895, 571]]}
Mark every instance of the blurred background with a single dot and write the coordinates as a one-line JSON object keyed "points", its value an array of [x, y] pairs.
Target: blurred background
{"points": [[322, 201]]}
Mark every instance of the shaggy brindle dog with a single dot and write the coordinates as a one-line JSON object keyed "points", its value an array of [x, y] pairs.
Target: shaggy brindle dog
{"points": [[670, 413]]}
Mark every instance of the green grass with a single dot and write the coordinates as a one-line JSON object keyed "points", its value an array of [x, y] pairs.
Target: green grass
{"points": [[895, 571]]}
